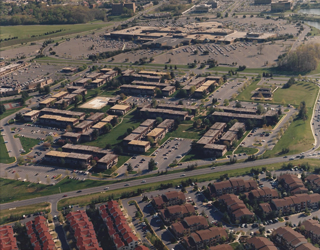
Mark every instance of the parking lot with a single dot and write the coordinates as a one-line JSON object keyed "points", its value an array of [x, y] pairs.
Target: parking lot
{"points": [[172, 149]]}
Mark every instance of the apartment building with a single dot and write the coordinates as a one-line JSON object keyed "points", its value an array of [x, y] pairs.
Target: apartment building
{"points": [[167, 125], [296, 203], [265, 208], [156, 134], [107, 161], [83, 126], [311, 230], [193, 109], [232, 186], [70, 159], [287, 238], [58, 121], [169, 199], [314, 181], [47, 102], [292, 184], [63, 113], [189, 225], [203, 239], [176, 212], [71, 137], [139, 146], [260, 243], [236, 207], [263, 194]]}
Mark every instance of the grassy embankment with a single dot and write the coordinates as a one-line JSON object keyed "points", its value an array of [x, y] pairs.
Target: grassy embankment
{"points": [[25, 32]]}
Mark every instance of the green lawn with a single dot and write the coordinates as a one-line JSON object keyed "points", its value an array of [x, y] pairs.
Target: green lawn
{"points": [[24, 32], [248, 151], [302, 91], [4, 156], [115, 136], [24, 210], [298, 138], [246, 94], [10, 112], [28, 143]]}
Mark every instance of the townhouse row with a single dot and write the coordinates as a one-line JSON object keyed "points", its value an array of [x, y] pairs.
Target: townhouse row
{"points": [[7, 239], [83, 230], [96, 79], [38, 232], [118, 228]]}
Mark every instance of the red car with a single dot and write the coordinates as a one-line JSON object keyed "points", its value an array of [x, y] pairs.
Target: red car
{"points": [[13, 171], [65, 195]]}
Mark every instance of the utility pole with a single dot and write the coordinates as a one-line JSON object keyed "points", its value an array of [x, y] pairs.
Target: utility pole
{"points": [[60, 190]]}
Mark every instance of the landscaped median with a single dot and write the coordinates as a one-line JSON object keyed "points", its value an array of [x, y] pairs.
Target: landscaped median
{"points": [[15, 214]]}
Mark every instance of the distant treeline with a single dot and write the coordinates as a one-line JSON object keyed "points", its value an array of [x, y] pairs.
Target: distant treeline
{"points": [[37, 13], [8, 39], [48, 33]]}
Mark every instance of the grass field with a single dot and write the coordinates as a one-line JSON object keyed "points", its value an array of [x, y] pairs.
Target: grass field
{"points": [[246, 94], [4, 156], [28, 143], [298, 138], [9, 112], [116, 134], [248, 151], [86, 199], [302, 91], [25, 210], [24, 32]]}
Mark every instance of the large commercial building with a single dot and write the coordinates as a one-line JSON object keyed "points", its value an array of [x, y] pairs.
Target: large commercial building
{"points": [[69, 159], [282, 5]]}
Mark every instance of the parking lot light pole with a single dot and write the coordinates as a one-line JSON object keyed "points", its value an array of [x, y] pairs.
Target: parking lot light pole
{"points": [[60, 190]]}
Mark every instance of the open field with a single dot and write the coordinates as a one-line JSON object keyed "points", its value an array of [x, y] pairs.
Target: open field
{"points": [[302, 91], [115, 136], [4, 156], [24, 32], [25, 210], [86, 199], [298, 138]]}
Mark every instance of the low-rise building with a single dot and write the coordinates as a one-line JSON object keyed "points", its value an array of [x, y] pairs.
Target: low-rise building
{"points": [[229, 137], [107, 161], [138, 146], [58, 121], [94, 75], [157, 134], [149, 123], [193, 109], [232, 186], [60, 95], [101, 127], [311, 230], [265, 208], [292, 184], [169, 199], [164, 113], [69, 159], [176, 212], [263, 194], [97, 83], [203, 239], [287, 238], [63, 113], [214, 150], [314, 181], [47, 102], [84, 149], [189, 225], [168, 90], [83, 126], [83, 82], [72, 137], [281, 5], [95, 117], [138, 90], [167, 125], [31, 116], [260, 243], [119, 109]]}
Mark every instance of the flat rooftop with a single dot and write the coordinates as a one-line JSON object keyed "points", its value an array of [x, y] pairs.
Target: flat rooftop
{"points": [[139, 143], [155, 132], [96, 103], [120, 107]]}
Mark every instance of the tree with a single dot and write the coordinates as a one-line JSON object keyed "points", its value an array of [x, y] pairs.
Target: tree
{"points": [[238, 105], [78, 99], [129, 167], [303, 111], [151, 164], [47, 89], [20, 160], [260, 109], [2, 109], [49, 139], [122, 96], [159, 120], [226, 102]]}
